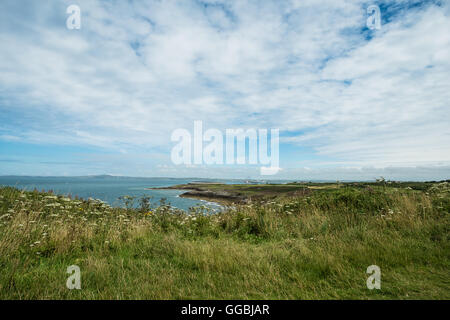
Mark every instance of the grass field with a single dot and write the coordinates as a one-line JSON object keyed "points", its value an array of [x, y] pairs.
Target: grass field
{"points": [[308, 245]]}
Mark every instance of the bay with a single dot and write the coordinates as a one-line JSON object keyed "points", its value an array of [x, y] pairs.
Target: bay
{"points": [[110, 188]]}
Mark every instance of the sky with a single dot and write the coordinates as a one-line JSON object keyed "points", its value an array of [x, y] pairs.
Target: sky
{"points": [[350, 103]]}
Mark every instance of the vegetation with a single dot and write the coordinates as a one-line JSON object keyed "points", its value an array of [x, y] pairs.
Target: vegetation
{"points": [[243, 193], [239, 193], [314, 244]]}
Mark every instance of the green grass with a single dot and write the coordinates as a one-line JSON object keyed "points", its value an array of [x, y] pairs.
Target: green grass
{"points": [[312, 246]]}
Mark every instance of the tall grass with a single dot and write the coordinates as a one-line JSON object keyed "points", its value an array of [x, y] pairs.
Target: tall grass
{"points": [[315, 246]]}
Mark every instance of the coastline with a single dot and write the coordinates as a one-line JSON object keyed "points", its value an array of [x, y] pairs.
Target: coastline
{"points": [[230, 194], [209, 197], [220, 198]]}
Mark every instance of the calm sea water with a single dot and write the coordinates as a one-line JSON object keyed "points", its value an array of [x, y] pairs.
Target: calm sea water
{"points": [[109, 188]]}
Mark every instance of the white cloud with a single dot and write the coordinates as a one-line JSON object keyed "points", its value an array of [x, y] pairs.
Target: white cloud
{"points": [[137, 71]]}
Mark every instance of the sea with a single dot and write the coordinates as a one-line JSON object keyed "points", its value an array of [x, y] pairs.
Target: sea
{"points": [[110, 188]]}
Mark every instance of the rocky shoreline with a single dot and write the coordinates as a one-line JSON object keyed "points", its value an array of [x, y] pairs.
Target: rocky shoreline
{"points": [[220, 197], [195, 192]]}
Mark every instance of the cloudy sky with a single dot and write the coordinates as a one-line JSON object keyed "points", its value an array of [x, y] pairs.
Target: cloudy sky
{"points": [[350, 102]]}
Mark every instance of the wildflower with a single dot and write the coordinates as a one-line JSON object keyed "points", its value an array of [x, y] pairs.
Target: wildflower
{"points": [[149, 213], [53, 205]]}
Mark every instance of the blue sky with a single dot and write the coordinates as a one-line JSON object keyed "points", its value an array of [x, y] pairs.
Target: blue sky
{"points": [[350, 102]]}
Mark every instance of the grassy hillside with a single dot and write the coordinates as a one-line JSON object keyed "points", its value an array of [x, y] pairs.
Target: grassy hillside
{"points": [[309, 245]]}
